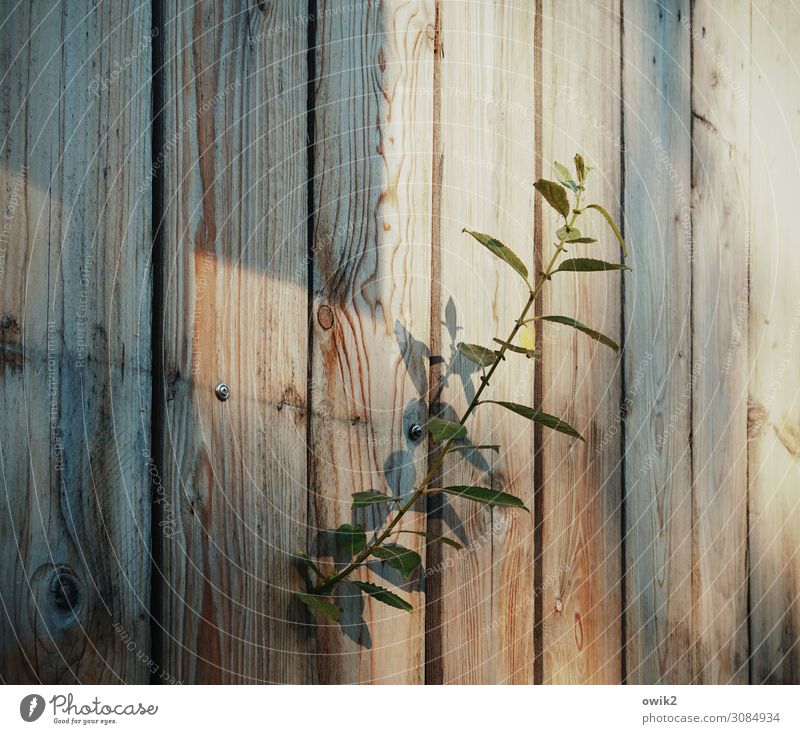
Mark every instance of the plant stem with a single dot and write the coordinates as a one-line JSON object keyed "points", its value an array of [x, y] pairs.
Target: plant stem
{"points": [[429, 477]]}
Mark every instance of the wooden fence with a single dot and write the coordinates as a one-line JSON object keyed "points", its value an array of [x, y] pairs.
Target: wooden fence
{"points": [[271, 195]]}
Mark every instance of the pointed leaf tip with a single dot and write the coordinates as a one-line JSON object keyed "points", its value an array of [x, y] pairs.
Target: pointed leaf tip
{"points": [[487, 496], [383, 595], [498, 248], [564, 176], [587, 265], [575, 324], [477, 354], [365, 499], [580, 168], [436, 537], [611, 224], [537, 416], [555, 195], [320, 605]]}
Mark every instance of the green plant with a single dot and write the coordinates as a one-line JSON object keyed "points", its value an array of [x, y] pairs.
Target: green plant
{"points": [[352, 540]]}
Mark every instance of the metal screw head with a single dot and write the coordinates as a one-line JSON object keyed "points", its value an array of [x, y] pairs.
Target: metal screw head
{"points": [[222, 391], [415, 432]]}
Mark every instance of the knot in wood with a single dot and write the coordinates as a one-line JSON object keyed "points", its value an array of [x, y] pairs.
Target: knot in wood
{"points": [[64, 591], [325, 317]]}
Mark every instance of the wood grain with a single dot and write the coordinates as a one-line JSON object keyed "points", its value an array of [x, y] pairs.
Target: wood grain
{"points": [[235, 311], [657, 401], [774, 409], [371, 251], [721, 194], [485, 614], [74, 344], [581, 552]]}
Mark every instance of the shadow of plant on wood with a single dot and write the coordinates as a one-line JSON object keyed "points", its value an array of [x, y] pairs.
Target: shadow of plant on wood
{"points": [[330, 590]]}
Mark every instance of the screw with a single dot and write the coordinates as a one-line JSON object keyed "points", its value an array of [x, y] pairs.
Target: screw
{"points": [[415, 432], [222, 391]]}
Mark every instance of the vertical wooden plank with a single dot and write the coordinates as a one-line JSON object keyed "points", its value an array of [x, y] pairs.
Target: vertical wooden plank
{"points": [[720, 178], [371, 249], [657, 401], [485, 613], [74, 343], [581, 379], [235, 311], [774, 410]]}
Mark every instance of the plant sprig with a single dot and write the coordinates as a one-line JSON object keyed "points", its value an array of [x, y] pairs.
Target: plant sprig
{"points": [[351, 540]]}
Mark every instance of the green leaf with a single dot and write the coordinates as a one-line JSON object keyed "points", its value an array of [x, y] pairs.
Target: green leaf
{"points": [[351, 539], [477, 354], [611, 224], [443, 430], [529, 353], [488, 496], [503, 252], [564, 176], [471, 446], [555, 194], [587, 265], [583, 240], [434, 536], [318, 604], [580, 168], [575, 324], [384, 595], [365, 499], [403, 559], [568, 234], [537, 416]]}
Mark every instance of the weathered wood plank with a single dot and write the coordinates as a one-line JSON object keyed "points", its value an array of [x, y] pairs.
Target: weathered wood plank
{"points": [[235, 311], [774, 410], [371, 250], [720, 180], [74, 343], [657, 402], [485, 613], [581, 555]]}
